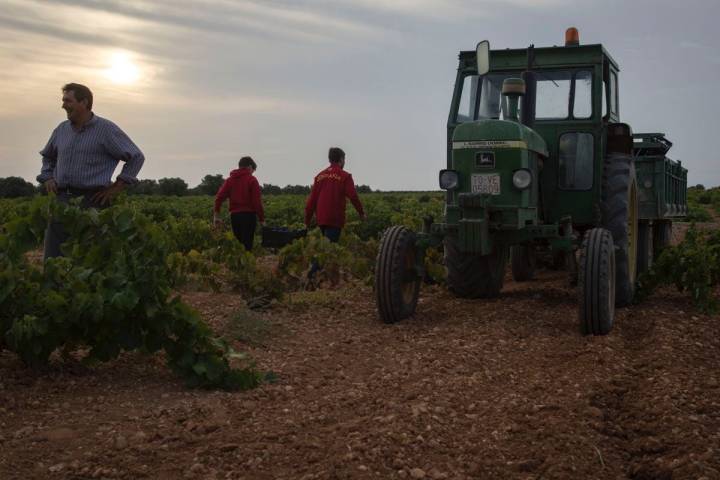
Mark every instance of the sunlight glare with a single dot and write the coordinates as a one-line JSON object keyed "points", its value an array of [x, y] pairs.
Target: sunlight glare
{"points": [[122, 70]]}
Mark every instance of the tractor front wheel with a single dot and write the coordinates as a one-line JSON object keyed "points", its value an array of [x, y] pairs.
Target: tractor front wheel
{"points": [[397, 282], [474, 276], [596, 281]]}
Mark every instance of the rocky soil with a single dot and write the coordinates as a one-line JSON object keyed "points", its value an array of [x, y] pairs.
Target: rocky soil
{"points": [[505, 388]]}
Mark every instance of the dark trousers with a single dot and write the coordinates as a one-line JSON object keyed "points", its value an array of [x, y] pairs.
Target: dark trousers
{"points": [[55, 234], [332, 234], [243, 226]]}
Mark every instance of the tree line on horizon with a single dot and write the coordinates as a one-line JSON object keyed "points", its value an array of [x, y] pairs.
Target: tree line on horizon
{"points": [[14, 187]]}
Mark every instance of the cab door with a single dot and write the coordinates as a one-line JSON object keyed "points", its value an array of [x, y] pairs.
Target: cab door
{"points": [[567, 120]]}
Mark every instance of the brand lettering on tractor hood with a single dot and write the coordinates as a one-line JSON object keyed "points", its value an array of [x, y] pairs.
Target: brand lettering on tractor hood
{"points": [[490, 144]]}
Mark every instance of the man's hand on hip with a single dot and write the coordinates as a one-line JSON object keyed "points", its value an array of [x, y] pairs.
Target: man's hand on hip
{"points": [[105, 195], [51, 185]]}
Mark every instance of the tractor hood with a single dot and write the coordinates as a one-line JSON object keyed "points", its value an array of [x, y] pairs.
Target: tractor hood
{"points": [[498, 134]]}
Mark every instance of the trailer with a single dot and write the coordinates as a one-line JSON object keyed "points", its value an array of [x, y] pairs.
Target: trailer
{"points": [[662, 194]]}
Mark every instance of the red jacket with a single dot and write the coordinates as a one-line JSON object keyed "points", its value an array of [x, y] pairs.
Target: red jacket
{"points": [[327, 197], [243, 190]]}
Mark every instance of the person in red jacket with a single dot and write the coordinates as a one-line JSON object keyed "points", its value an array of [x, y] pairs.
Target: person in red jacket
{"points": [[330, 189], [246, 207]]}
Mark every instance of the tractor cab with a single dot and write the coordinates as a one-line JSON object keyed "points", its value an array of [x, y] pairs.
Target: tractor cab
{"points": [[574, 97]]}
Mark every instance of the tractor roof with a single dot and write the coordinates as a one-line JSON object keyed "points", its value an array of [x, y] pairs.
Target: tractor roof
{"points": [[545, 57]]}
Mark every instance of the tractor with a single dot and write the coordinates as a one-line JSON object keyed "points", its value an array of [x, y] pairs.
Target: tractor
{"points": [[539, 162]]}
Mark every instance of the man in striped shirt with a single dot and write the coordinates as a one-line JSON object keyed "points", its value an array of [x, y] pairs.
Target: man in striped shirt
{"points": [[80, 158]]}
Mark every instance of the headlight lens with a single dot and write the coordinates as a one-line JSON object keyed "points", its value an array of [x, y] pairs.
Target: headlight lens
{"points": [[449, 179], [522, 179]]}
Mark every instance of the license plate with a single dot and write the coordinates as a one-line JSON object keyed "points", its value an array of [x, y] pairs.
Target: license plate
{"points": [[489, 184]]}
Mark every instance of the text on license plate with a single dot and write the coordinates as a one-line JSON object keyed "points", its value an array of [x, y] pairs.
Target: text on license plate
{"points": [[486, 184]]}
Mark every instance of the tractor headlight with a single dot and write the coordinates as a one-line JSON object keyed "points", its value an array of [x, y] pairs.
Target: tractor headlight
{"points": [[449, 179], [522, 179]]}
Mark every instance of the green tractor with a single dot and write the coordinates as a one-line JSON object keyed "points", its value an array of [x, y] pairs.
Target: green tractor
{"points": [[538, 161]]}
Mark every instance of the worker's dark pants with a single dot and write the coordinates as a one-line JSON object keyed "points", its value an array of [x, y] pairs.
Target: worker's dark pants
{"points": [[243, 226], [55, 234], [332, 234]]}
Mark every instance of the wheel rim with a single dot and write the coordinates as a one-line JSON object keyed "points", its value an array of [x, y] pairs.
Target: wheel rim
{"points": [[632, 231], [409, 277]]}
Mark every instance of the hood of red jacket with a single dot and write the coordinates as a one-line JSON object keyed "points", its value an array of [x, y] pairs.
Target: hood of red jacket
{"points": [[240, 172]]}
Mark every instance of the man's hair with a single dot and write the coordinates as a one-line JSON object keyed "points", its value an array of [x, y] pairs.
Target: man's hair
{"points": [[335, 154], [246, 162], [81, 93]]}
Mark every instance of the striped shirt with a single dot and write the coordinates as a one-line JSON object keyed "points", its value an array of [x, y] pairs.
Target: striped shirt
{"points": [[87, 158]]}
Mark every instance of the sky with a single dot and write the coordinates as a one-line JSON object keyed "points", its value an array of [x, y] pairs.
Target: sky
{"points": [[198, 84]]}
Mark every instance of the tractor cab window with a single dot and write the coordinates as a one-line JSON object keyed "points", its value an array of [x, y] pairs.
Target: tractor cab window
{"points": [[610, 96], [575, 161], [466, 109], [559, 94], [553, 95], [582, 103], [481, 97], [491, 100]]}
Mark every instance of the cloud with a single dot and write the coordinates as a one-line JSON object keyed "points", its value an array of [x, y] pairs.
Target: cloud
{"points": [[49, 29], [240, 18], [443, 10], [239, 104]]}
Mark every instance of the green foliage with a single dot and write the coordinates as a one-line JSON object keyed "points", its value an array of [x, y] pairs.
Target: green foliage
{"points": [[698, 213], [14, 187], [699, 198], [189, 234], [270, 189], [144, 187], [434, 265], [210, 184], [242, 270], [199, 254], [111, 292], [172, 186], [350, 257], [693, 266], [194, 268]]}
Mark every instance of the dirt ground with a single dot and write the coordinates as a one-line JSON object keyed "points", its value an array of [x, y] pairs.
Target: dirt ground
{"points": [[505, 388]]}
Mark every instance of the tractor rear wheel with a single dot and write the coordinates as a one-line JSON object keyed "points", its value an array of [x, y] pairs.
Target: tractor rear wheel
{"points": [[620, 218], [474, 276], [662, 233], [397, 282], [523, 261], [596, 281]]}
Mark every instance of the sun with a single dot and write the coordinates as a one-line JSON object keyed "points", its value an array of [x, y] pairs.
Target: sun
{"points": [[122, 70]]}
